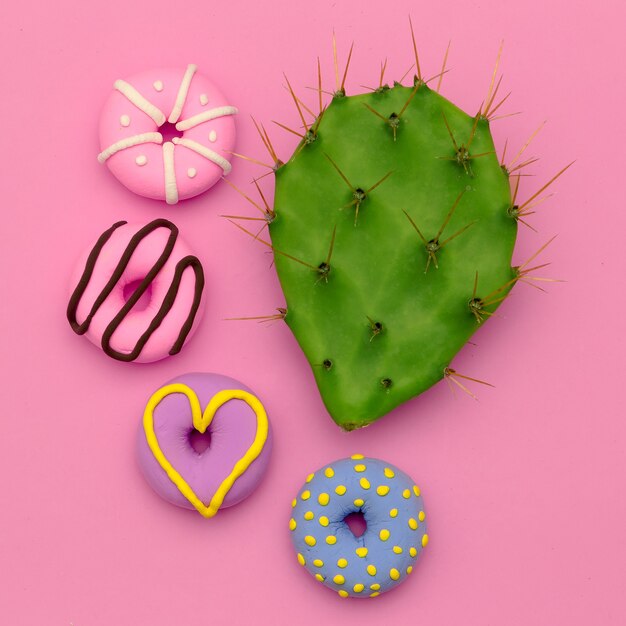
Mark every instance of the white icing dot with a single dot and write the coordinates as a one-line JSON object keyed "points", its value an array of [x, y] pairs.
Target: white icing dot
{"points": [[142, 159], [191, 172], [158, 85], [125, 120], [212, 136], [204, 99]]}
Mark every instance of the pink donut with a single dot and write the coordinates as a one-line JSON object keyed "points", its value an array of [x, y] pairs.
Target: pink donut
{"points": [[176, 102], [236, 459], [158, 267]]}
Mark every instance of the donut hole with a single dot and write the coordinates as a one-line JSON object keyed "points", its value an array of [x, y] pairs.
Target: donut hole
{"points": [[168, 130], [144, 300], [356, 523], [200, 442]]}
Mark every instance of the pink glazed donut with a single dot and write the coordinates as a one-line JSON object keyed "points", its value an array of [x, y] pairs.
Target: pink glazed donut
{"points": [[220, 475], [172, 101], [130, 266]]}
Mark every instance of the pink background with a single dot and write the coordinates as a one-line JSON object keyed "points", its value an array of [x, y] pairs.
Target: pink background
{"points": [[524, 489]]}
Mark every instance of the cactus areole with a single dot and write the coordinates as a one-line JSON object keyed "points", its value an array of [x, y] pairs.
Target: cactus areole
{"points": [[393, 228]]}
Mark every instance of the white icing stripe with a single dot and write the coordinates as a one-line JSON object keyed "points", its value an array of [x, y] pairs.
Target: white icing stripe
{"points": [[204, 151], [171, 189], [128, 142], [205, 116], [182, 94], [140, 102]]}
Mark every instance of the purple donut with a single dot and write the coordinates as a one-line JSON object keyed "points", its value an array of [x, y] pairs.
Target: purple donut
{"points": [[230, 469]]}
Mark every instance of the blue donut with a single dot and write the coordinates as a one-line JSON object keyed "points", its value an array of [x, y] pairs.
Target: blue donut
{"points": [[393, 511]]}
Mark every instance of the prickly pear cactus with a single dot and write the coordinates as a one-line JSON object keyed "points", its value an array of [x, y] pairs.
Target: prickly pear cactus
{"points": [[393, 228]]}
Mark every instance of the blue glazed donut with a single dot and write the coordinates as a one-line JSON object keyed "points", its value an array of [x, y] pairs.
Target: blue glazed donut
{"points": [[393, 511]]}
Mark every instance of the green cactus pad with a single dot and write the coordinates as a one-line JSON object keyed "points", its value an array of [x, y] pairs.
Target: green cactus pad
{"points": [[382, 319]]}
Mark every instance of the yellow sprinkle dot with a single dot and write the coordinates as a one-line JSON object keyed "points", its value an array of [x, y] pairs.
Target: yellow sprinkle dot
{"points": [[371, 570], [424, 541], [406, 494], [360, 467], [331, 540], [422, 516], [373, 595], [389, 473], [382, 490], [292, 524], [340, 490], [375, 587], [318, 563], [323, 520], [329, 472], [397, 549], [393, 513], [359, 502], [384, 534], [320, 577], [416, 490], [412, 551], [358, 588], [365, 484], [409, 569], [323, 499], [300, 559], [342, 563], [293, 503], [394, 574], [338, 579], [357, 457], [413, 523], [310, 540], [362, 552], [309, 478], [309, 515], [306, 495], [343, 593]]}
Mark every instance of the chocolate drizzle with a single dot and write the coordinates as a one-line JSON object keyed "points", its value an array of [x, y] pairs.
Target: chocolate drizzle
{"points": [[168, 301]]}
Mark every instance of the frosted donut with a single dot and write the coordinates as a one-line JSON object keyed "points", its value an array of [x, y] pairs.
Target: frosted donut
{"points": [[392, 508], [223, 474], [128, 265], [175, 102]]}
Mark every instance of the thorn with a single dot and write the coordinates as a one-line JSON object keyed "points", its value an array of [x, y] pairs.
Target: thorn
{"points": [[406, 104], [275, 250], [382, 180], [445, 119], [290, 130], [319, 84], [490, 92], [340, 173], [336, 64], [443, 67], [417, 61], [280, 315], [383, 67], [506, 143], [295, 100], [453, 375], [526, 144], [490, 116], [521, 210], [267, 143], [246, 158], [268, 213], [345, 73]]}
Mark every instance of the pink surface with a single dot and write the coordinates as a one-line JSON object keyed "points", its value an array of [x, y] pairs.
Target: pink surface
{"points": [[525, 489]]}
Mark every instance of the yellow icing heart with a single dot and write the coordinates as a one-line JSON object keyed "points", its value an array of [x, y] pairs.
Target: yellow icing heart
{"points": [[201, 421]]}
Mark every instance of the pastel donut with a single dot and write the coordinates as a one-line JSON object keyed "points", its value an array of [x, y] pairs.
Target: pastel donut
{"points": [[226, 472], [392, 508], [157, 266], [167, 134]]}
